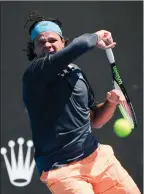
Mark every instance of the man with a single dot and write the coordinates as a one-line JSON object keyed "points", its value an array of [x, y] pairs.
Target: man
{"points": [[62, 110]]}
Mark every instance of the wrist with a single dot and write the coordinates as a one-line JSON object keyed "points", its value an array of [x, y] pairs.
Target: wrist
{"points": [[110, 104], [98, 37]]}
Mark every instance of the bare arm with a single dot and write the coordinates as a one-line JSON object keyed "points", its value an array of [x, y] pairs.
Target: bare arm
{"points": [[102, 114], [104, 111]]}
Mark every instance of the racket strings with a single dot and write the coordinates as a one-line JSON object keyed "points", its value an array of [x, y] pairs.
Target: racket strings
{"points": [[127, 114], [125, 108]]}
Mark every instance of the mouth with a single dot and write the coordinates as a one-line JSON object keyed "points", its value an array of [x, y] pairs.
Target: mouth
{"points": [[48, 51], [51, 52]]}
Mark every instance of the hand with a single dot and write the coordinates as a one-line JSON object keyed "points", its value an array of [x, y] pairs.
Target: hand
{"points": [[115, 97], [105, 40]]}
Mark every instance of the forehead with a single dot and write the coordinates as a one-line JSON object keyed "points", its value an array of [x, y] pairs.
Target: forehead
{"points": [[46, 35]]}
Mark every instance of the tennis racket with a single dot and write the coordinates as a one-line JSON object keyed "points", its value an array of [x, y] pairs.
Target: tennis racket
{"points": [[126, 107]]}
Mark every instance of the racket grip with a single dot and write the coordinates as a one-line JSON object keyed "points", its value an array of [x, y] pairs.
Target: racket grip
{"points": [[110, 55]]}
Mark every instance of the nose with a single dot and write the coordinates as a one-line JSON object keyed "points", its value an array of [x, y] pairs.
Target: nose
{"points": [[47, 45]]}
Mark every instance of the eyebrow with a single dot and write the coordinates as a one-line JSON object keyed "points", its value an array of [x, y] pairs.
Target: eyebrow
{"points": [[50, 37], [41, 38]]}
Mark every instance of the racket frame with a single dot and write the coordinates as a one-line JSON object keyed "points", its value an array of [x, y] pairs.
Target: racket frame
{"points": [[116, 77]]}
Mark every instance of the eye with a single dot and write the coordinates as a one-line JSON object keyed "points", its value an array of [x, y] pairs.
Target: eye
{"points": [[52, 40], [41, 42]]}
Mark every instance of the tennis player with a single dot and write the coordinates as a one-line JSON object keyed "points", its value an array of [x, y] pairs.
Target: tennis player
{"points": [[62, 112]]}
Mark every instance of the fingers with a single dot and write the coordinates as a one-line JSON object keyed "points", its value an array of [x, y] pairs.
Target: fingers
{"points": [[108, 41], [103, 34], [105, 40], [108, 37], [108, 96], [102, 45], [115, 96], [112, 45]]}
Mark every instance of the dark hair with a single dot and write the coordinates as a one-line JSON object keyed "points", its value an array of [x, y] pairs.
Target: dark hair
{"points": [[33, 19]]}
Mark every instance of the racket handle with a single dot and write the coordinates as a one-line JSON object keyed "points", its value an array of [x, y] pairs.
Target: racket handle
{"points": [[110, 55]]}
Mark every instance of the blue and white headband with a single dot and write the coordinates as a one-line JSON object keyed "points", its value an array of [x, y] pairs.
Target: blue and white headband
{"points": [[45, 26]]}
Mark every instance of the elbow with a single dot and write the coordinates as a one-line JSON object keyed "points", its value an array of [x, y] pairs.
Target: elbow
{"points": [[97, 125]]}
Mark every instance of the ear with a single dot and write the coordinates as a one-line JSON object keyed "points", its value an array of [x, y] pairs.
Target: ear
{"points": [[63, 42]]}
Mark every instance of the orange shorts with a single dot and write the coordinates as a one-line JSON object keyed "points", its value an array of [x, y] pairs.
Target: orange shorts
{"points": [[99, 173]]}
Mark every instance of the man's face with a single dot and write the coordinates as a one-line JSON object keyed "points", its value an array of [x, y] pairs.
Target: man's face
{"points": [[47, 42]]}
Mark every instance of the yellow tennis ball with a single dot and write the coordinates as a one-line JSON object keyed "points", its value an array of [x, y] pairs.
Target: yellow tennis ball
{"points": [[122, 128]]}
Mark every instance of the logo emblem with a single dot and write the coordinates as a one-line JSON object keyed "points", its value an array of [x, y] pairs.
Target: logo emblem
{"points": [[20, 170]]}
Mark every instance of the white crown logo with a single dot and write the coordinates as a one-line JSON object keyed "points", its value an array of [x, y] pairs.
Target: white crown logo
{"points": [[20, 171]]}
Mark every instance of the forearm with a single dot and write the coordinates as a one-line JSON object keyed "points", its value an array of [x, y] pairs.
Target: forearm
{"points": [[102, 114], [74, 50], [58, 61], [49, 66]]}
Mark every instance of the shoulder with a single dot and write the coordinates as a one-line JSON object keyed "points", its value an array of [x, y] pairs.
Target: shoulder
{"points": [[29, 69], [36, 66]]}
